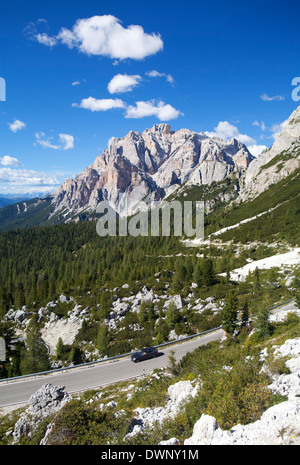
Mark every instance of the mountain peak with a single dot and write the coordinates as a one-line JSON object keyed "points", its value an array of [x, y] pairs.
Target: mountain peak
{"points": [[162, 128], [289, 134], [150, 166]]}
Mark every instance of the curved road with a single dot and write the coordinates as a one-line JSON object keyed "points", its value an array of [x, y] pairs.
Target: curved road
{"points": [[92, 376]]}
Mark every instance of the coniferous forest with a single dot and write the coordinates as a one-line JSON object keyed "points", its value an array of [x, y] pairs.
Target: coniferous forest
{"points": [[39, 264]]}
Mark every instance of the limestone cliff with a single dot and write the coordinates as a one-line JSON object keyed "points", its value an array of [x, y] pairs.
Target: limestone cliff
{"points": [[149, 166], [275, 163]]}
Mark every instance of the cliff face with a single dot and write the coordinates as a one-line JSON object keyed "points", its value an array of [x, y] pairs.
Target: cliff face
{"points": [[149, 166], [275, 163]]}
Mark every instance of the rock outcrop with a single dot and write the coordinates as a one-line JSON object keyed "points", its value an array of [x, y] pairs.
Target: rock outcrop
{"points": [[47, 400], [145, 418], [276, 163]]}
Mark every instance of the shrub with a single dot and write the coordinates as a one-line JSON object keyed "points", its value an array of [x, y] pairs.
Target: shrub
{"points": [[81, 424]]}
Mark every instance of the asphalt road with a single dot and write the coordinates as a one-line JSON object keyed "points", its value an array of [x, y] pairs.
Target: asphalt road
{"points": [[101, 374]]}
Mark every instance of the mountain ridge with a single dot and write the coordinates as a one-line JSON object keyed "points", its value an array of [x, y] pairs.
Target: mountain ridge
{"points": [[149, 166], [159, 164]]}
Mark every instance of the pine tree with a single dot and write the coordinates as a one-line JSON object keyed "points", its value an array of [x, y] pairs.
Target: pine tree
{"points": [[173, 366], [143, 317], [245, 314], [256, 280], [208, 272], [103, 340], [35, 358], [151, 315], [177, 283], [173, 315], [59, 348], [76, 355], [198, 275], [4, 302], [229, 313], [262, 324]]}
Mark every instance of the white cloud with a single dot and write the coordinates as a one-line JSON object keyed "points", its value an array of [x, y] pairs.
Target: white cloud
{"points": [[46, 144], [123, 83], [93, 104], [266, 97], [105, 36], [161, 110], [46, 40], [224, 130], [66, 141], [75, 83], [10, 161], [262, 125], [35, 191], [25, 177], [164, 112], [256, 150], [277, 128], [154, 74], [17, 125]]}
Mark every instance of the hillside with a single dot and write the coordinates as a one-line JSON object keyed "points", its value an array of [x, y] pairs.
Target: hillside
{"points": [[25, 214], [242, 393], [272, 216]]}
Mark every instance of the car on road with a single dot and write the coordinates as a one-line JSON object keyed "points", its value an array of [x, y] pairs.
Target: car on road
{"points": [[144, 354]]}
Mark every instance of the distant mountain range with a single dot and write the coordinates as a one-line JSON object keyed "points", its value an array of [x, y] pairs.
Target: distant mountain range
{"points": [[159, 164], [9, 199]]}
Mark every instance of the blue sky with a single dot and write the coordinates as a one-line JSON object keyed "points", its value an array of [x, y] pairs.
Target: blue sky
{"points": [[79, 73]]}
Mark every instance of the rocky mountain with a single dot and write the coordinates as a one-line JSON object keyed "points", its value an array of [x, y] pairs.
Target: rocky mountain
{"points": [[150, 166], [276, 163], [159, 163]]}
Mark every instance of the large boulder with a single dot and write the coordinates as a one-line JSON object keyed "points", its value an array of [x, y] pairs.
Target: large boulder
{"points": [[47, 400], [279, 425]]}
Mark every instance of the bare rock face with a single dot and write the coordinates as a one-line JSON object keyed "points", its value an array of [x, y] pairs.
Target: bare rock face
{"points": [[276, 163], [149, 166], [47, 400]]}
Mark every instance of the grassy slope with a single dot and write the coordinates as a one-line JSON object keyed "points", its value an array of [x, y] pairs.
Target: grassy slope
{"points": [[281, 223]]}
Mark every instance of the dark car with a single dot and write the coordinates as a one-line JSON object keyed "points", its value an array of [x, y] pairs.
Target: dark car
{"points": [[144, 354]]}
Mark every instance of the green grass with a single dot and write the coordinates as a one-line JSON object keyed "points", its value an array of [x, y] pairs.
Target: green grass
{"points": [[280, 158], [282, 223]]}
